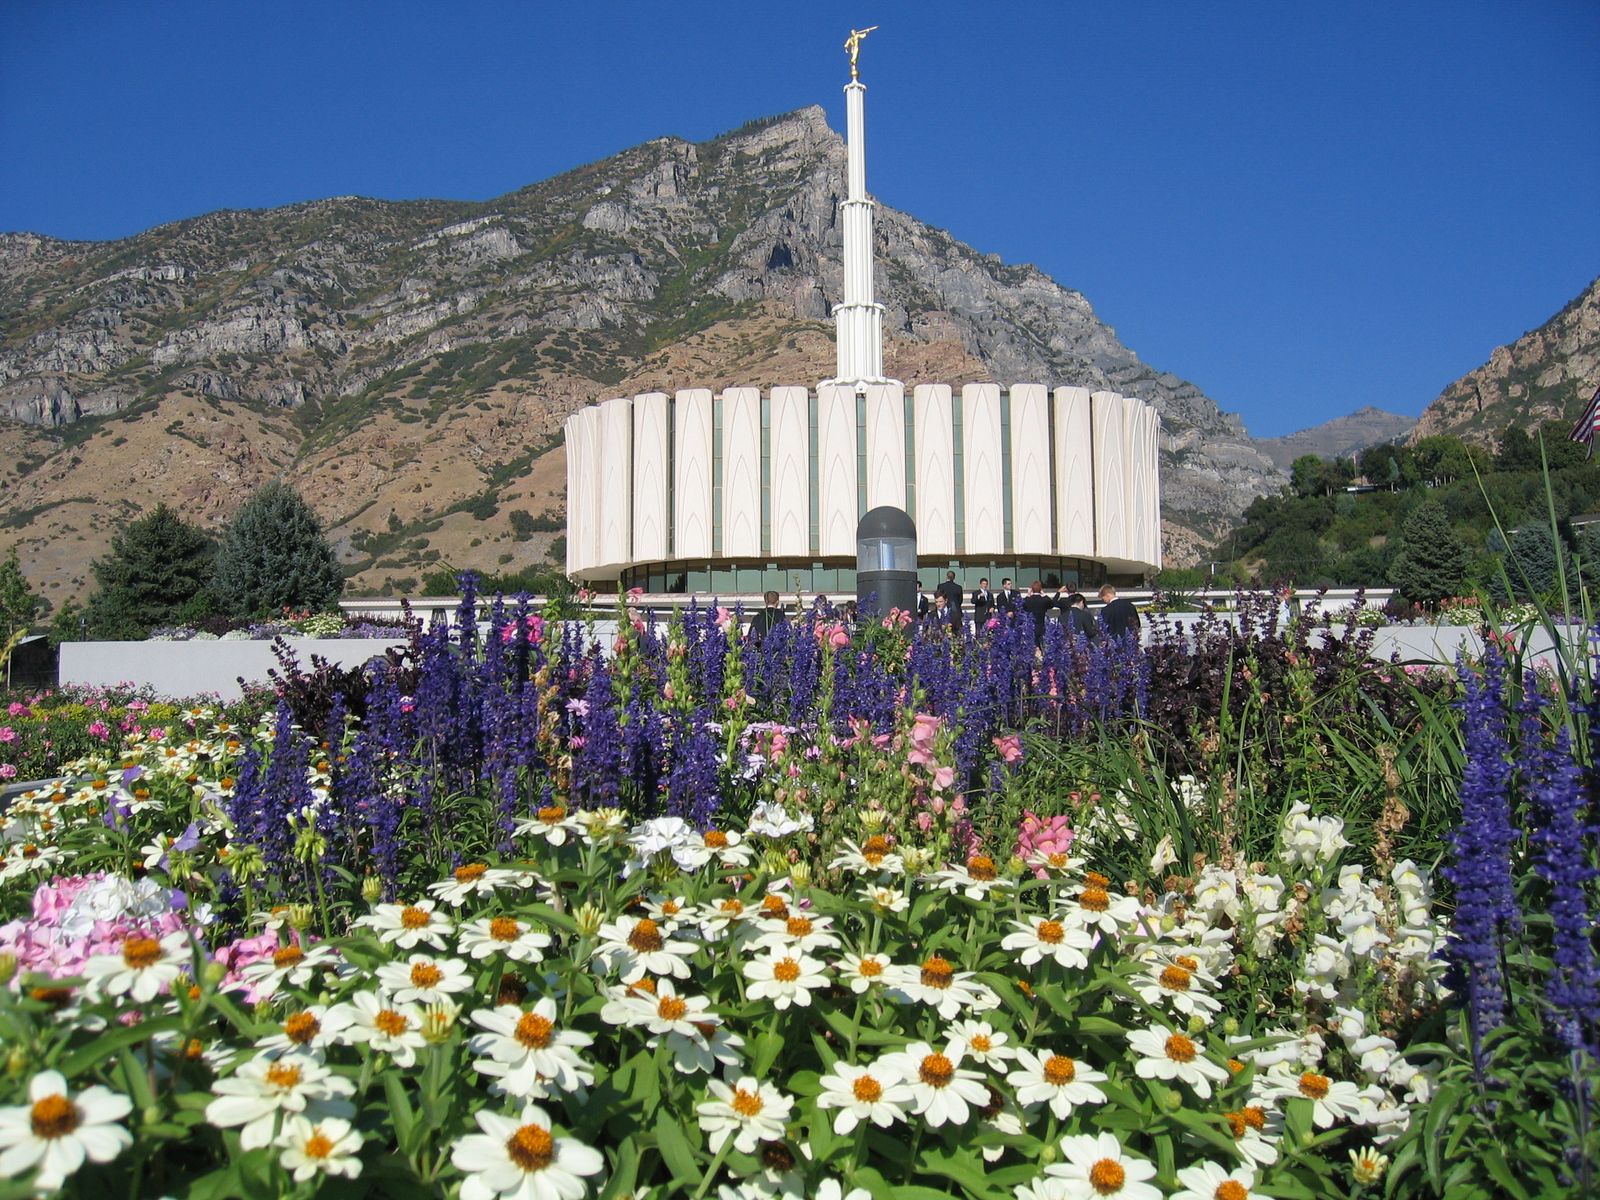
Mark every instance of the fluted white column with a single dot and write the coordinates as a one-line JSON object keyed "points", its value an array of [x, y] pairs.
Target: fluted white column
{"points": [[858, 319]]}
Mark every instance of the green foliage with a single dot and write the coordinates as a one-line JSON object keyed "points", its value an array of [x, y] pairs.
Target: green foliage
{"points": [[156, 567], [19, 603], [1533, 562], [1431, 562], [273, 556], [524, 524], [536, 581]]}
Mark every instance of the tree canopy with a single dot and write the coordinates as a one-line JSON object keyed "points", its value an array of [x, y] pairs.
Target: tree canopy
{"points": [[156, 574], [273, 555]]}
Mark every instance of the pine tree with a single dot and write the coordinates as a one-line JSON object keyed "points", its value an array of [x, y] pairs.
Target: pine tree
{"points": [[273, 555], [158, 569], [1531, 563], [19, 603], [1431, 562]]}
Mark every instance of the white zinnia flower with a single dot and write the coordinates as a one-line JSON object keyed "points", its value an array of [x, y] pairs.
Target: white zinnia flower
{"points": [[525, 1047], [1180, 986], [56, 1132], [424, 979], [1211, 1181], [264, 1087], [1054, 1079], [864, 971], [552, 822], [749, 1112], [1097, 1166], [785, 977], [697, 850], [885, 899], [939, 985], [1064, 943], [863, 1094], [143, 969], [388, 1028], [473, 879], [981, 1043], [1331, 1100], [797, 932], [635, 946], [941, 1089], [409, 925], [325, 1147], [489, 936], [1164, 1054], [974, 879], [522, 1157]]}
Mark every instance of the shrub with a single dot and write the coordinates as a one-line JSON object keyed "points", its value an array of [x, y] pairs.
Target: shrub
{"points": [[273, 555], [158, 565]]}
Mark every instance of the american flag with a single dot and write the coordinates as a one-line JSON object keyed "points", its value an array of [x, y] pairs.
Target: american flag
{"points": [[1588, 423]]}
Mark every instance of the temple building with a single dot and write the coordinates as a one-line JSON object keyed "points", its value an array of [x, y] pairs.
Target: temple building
{"points": [[745, 490]]}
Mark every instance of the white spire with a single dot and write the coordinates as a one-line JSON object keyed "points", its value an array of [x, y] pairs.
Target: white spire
{"points": [[858, 320]]}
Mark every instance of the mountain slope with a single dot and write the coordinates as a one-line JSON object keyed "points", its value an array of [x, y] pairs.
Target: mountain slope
{"points": [[408, 365], [1338, 438], [1547, 374]]}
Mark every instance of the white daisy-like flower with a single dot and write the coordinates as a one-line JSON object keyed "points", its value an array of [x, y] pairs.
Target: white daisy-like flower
{"points": [[1061, 1082], [796, 932], [602, 826], [552, 822], [517, 940], [367, 1018], [980, 1042], [666, 911], [326, 1147], [864, 1094], [1097, 1167], [1101, 910], [423, 979], [292, 965], [785, 977], [29, 858], [475, 879], [1065, 943], [308, 1030], [1332, 1100], [668, 1012], [869, 858], [710, 1047], [142, 970], [885, 899], [749, 1112], [1179, 987], [528, 1043], [939, 985], [264, 1087], [726, 847], [729, 916], [1212, 1181], [1251, 1127], [408, 926], [55, 1133], [975, 879], [635, 946], [832, 1189], [1164, 1054], [1055, 863], [522, 1157], [864, 971], [942, 1091]]}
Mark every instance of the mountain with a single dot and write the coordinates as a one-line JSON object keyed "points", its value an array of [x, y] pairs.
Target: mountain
{"points": [[1548, 374], [407, 365], [1341, 437]]}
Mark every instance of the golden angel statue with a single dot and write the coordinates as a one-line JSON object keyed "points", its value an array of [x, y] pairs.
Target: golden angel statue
{"points": [[852, 45]]}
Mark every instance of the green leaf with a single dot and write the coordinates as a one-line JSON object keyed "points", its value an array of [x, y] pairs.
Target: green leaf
{"points": [[113, 1040], [401, 1114], [675, 1150]]}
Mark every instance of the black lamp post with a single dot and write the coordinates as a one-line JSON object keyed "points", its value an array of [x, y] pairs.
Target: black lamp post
{"points": [[886, 559]]}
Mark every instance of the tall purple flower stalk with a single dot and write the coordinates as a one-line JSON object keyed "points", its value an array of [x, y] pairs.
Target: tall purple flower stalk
{"points": [[1486, 904]]}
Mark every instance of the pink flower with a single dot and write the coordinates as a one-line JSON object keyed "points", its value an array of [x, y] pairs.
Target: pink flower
{"points": [[924, 728], [98, 729], [943, 777], [839, 637], [17, 709], [724, 618], [7, 734], [8, 771], [1043, 835], [919, 757], [1009, 748], [668, 692]]}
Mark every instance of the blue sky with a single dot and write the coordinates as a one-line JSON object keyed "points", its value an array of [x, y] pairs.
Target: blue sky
{"points": [[1302, 208]]}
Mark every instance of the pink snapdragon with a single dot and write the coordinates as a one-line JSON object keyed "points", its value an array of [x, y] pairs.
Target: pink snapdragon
{"points": [[1043, 835], [78, 917], [1009, 748]]}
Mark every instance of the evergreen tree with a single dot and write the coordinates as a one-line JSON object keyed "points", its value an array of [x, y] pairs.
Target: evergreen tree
{"points": [[19, 604], [158, 570], [1430, 564], [1531, 563], [273, 555], [1588, 547]]}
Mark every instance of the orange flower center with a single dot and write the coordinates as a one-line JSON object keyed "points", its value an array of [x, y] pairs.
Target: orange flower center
{"points": [[982, 1043], [1095, 899], [1231, 1189], [531, 1148], [534, 1032], [643, 984], [54, 1117], [504, 929], [471, 873], [1051, 932], [1095, 879], [318, 1145], [870, 968], [141, 952], [786, 971], [1188, 962], [1236, 1123], [301, 1027], [1313, 1086], [646, 936], [746, 1104], [194, 1049], [552, 814], [425, 975], [867, 1090], [669, 908], [671, 1008], [715, 839], [1235, 1066], [412, 917], [936, 1071], [285, 957], [1181, 1049], [1174, 979], [1107, 1177], [937, 973], [390, 1022], [774, 906], [732, 907], [798, 927], [283, 1076], [1059, 1070], [1254, 1116], [875, 849], [981, 866]]}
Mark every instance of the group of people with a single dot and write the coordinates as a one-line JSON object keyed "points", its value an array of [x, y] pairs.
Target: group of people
{"points": [[1116, 616]]}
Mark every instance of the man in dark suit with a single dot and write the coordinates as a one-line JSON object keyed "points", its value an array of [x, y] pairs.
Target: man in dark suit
{"points": [[924, 605], [951, 591], [768, 619], [1037, 605], [1117, 615], [1010, 598], [982, 603], [1075, 612]]}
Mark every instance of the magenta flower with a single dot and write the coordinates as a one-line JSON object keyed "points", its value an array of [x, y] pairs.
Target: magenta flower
{"points": [[1043, 835]]}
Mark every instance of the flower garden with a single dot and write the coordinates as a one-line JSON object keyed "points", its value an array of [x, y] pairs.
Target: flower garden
{"points": [[851, 912]]}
